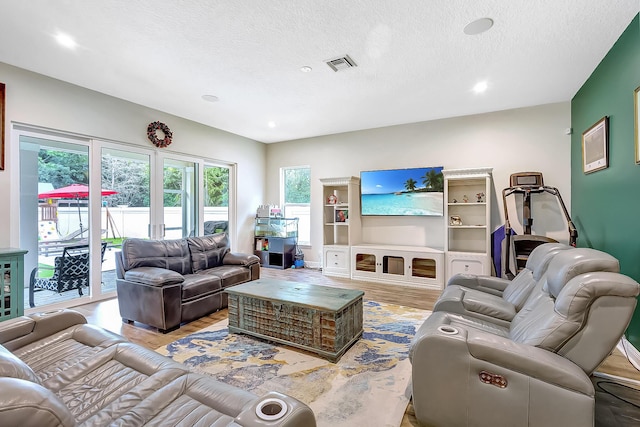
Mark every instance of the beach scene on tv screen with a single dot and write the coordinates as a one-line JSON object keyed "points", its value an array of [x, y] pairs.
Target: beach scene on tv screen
{"points": [[414, 191]]}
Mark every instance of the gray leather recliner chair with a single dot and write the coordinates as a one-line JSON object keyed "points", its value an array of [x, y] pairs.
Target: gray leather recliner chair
{"points": [[497, 299], [534, 372]]}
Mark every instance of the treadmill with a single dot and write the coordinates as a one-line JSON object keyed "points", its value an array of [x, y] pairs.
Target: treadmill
{"points": [[516, 248]]}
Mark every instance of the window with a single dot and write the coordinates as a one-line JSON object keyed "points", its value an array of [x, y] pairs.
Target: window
{"points": [[216, 199], [296, 199]]}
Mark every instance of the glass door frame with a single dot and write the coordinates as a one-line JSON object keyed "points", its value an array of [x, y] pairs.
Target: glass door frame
{"points": [[156, 163], [95, 263], [158, 227], [156, 159]]}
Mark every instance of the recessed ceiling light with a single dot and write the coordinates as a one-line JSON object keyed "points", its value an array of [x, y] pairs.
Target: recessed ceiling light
{"points": [[306, 69], [478, 26], [210, 98], [271, 124], [66, 41], [480, 87]]}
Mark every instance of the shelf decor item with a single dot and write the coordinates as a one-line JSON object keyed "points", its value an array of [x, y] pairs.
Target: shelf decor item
{"points": [[636, 98], [342, 215], [455, 220], [595, 146], [332, 199], [152, 134]]}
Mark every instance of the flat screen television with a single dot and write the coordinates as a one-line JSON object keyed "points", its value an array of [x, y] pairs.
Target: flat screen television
{"points": [[400, 192]]}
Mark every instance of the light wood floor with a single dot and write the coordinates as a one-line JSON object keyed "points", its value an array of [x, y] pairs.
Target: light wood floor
{"points": [[105, 314]]}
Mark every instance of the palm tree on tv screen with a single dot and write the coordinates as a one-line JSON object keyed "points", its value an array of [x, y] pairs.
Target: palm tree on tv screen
{"points": [[410, 184], [433, 180]]}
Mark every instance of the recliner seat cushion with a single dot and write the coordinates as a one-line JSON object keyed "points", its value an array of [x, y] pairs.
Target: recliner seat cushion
{"points": [[169, 254], [59, 353], [199, 285], [190, 401], [114, 381], [208, 251], [230, 274], [153, 276]]}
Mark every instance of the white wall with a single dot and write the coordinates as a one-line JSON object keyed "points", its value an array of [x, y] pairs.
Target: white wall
{"points": [[40, 101], [527, 139]]}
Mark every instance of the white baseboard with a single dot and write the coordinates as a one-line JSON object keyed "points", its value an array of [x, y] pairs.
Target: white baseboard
{"points": [[632, 353], [312, 264]]}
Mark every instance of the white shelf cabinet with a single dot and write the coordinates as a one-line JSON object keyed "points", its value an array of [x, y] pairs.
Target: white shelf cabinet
{"points": [[341, 223], [403, 265], [467, 212]]}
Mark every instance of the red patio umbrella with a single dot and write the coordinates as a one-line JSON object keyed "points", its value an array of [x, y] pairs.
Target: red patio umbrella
{"points": [[73, 191]]}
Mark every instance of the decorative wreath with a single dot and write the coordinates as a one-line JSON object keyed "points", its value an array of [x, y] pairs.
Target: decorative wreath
{"points": [[153, 137]]}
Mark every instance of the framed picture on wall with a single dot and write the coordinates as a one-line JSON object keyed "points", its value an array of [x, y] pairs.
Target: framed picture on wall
{"points": [[595, 146], [636, 103], [1, 126]]}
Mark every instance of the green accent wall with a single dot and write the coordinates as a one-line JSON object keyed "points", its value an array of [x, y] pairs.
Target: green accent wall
{"points": [[605, 205]]}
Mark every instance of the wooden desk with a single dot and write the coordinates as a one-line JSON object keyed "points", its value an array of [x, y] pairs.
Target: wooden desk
{"points": [[320, 319]]}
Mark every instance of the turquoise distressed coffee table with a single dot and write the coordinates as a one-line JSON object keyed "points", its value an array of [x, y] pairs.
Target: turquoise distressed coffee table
{"points": [[320, 319]]}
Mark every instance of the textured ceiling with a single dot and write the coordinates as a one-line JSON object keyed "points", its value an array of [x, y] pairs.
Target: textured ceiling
{"points": [[414, 61]]}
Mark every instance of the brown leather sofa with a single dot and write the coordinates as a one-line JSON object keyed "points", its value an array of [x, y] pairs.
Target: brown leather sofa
{"points": [[56, 370], [164, 283]]}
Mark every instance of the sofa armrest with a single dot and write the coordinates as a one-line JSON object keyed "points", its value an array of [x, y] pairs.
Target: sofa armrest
{"points": [[38, 325], [535, 362], [488, 284], [296, 413], [28, 404], [158, 306], [153, 276], [455, 365], [237, 258]]}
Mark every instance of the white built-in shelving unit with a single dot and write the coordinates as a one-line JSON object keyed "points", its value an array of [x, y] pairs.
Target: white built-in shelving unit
{"points": [[341, 223], [467, 214]]}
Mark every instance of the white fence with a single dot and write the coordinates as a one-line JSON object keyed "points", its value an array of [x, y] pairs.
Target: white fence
{"points": [[128, 221]]}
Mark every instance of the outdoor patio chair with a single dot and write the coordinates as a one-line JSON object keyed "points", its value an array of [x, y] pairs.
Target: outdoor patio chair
{"points": [[213, 227], [70, 271]]}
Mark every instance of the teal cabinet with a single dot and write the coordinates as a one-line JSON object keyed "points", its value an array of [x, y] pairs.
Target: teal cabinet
{"points": [[12, 289]]}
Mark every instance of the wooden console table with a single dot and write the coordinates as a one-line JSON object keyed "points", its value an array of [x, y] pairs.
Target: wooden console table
{"points": [[319, 319]]}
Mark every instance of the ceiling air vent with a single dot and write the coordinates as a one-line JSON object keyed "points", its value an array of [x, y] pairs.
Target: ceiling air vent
{"points": [[342, 63]]}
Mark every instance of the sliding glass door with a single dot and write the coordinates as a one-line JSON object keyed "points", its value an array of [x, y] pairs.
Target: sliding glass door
{"points": [[82, 198], [126, 213], [179, 198], [54, 218]]}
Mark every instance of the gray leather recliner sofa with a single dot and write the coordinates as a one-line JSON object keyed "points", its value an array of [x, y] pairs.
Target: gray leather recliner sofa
{"points": [[163, 283], [535, 370], [55, 370], [499, 300]]}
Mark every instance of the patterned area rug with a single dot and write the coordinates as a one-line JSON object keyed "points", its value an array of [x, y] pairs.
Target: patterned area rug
{"points": [[368, 385]]}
